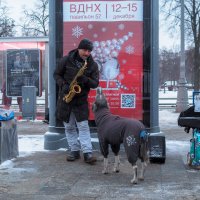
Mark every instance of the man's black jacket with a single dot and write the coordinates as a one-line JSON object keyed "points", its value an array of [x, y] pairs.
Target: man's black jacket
{"points": [[64, 74]]}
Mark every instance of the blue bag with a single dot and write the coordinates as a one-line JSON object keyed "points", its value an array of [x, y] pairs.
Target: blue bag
{"points": [[6, 115]]}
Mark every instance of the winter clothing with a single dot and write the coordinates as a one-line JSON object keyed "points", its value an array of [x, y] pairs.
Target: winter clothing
{"points": [[88, 158], [114, 130], [72, 135], [65, 72], [75, 113], [73, 155], [85, 44], [65, 88]]}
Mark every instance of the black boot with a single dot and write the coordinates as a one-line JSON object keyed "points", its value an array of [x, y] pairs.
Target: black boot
{"points": [[88, 158], [73, 155]]}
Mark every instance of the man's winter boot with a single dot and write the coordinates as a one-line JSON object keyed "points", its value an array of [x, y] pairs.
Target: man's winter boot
{"points": [[73, 155], [88, 158]]}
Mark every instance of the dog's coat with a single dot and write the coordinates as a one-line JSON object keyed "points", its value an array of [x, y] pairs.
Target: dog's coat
{"points": [[114, 130]]}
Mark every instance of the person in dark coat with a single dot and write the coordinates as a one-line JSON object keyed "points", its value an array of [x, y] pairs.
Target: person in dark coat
{"points": [[75, 112]]}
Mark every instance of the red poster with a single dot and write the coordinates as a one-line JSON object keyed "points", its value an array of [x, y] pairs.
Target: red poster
{"points": [[116, 29]]}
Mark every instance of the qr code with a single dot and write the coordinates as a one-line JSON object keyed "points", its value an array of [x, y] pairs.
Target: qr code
{"points": [[127, 100]]}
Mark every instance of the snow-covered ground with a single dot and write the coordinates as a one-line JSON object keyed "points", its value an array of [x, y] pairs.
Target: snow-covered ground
{"points": [[172, 94], [168, 118]]}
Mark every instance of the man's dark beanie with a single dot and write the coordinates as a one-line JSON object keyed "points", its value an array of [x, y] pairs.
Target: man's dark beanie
{"points": [[85, 44]]}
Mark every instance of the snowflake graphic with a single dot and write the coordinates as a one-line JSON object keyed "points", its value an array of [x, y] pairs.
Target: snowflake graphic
{"points": [[103, 29], [130, 72], [130, 49], [77, 31], [124, 61], [95, 35], [90, 26], [121, 26]]}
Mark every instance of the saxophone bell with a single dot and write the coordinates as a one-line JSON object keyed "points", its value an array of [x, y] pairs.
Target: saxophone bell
{"points": [[77, 89]]}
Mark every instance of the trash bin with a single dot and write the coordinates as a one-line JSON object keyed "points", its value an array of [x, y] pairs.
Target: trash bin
{"points": [[157, 148], [8, 140], [8, 135]]}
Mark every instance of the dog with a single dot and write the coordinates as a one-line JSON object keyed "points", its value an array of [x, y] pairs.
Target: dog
{"points": [[114, 130]]}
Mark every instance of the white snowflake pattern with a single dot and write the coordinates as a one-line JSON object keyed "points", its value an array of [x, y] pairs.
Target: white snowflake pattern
{"points": [[90, 26], [130, 34], [130, 49], [121, 26], [77, 31], [103, 29], [130, 72], [124, 61], [95, 35]]}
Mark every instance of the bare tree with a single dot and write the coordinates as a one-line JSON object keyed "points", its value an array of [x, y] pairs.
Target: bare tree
{"points": [[36, 21], [189, 68], [7, 24], [169, 66], [171, 9], [169, 61]]}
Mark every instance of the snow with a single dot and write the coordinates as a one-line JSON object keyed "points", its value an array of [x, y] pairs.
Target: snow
{"points": [[30, 143], [27, 145], [168, 117], [172, 94]]}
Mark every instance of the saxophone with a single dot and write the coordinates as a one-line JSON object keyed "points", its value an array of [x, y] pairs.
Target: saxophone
{"points": [[74, 88]]}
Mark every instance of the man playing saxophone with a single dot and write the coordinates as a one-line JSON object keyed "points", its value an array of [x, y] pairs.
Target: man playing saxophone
{"points": [[75, 74]]}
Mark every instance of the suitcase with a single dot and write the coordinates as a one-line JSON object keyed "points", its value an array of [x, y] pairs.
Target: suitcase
{"points": [[193, 157], [157, 149]]}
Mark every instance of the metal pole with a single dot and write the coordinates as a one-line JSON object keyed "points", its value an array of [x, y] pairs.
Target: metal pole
{"points": [[54, 138], [52, 62], [154, 122], [182, 95]]}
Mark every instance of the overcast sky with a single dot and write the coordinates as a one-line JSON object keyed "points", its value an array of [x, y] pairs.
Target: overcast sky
{"points": [[15, 7]]}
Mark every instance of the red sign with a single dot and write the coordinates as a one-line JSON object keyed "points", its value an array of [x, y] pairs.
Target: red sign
{"points": [[116, 29]]}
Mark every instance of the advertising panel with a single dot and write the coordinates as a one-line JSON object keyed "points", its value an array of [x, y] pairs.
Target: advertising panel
{"points": [[22, 69], [116, 29]]}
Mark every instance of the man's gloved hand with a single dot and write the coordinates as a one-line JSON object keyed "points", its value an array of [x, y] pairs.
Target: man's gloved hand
{"points": [[65, 88], [82, 79]]}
